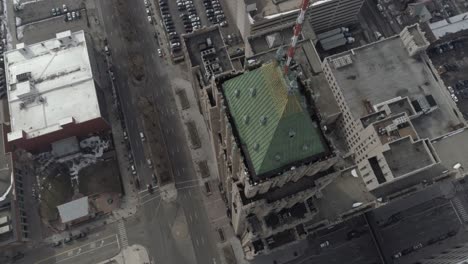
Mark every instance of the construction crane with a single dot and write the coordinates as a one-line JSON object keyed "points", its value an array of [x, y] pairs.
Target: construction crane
{"points": [[297, 31]]}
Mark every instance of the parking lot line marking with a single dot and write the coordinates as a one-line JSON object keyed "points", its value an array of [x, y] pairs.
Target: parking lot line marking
{"points": [[71, 250]]}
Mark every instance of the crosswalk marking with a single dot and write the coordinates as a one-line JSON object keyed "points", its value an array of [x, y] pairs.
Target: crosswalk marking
{"points": [[122, 234], [460, 208]]}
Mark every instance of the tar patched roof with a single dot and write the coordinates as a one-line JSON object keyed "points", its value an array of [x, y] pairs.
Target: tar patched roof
{"points": [[73, 210], [50, 84], [274, 128]]}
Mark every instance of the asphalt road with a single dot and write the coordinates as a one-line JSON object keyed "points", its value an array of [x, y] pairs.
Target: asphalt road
{"points": [[156, 219], [102, 243]]}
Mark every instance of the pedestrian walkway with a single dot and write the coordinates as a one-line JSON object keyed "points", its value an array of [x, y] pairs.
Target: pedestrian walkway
{"points": [[122, 234], [207, 177], [131, 255], [457, 203]]}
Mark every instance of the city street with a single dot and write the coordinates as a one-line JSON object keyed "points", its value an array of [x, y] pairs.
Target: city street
{"points": [[159, 225]]}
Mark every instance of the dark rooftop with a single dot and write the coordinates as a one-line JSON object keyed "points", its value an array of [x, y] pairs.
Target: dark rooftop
{"points": [[404, 156]]}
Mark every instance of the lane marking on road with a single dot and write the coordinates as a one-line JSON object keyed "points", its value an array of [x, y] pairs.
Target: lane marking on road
{"points": [[181, 182], [219, 218], [196, 241], [149, 200], [190, 217], [73, 249], [455, 210], [85, 252], [196, 215], [203, 240]]}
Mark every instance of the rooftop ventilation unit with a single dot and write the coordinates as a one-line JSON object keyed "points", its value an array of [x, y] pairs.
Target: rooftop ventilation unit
{"points": [[22, 77], [342, 61]]}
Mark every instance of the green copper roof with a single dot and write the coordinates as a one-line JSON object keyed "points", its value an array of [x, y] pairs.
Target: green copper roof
{"points": [[272, 124]]}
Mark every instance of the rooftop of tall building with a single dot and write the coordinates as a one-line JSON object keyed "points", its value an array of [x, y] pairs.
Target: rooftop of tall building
{"points": [[272, 121], [383, 72]]}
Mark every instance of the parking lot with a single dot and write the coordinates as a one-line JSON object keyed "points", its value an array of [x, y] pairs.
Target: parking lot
{"points": [[184, 16], [451, 60]]}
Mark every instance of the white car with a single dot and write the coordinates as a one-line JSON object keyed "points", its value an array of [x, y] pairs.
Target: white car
{"points": [[132, 168], [325, 244], [65, 8], [195, 19], [160, 53], [150, 19], [148, 12], [146, 3], [223, 24], [450, 89]]}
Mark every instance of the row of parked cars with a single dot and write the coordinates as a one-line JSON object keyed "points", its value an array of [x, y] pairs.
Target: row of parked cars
{"points": [[69, 239], [2, 72], [215, 12], [188, 15], [169, 26], [69, 15], [461, 90]]}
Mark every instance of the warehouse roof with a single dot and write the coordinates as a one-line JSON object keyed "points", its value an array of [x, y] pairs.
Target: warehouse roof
{"points": [[50, 84], [274, 128]]}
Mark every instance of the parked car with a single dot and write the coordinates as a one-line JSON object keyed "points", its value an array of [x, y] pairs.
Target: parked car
{"points": [[160, 53], [64, 8], [325, 244], [132, 168], [418, 246], [57, 243], [397, 255], [150, 19], [67, 240]]}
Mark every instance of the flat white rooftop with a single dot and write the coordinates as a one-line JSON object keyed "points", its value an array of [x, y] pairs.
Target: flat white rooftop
{"points": [[449, 25], [50, 84]]}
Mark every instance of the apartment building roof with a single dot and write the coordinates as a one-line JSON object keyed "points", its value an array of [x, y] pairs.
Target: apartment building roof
{"points": [[273, 126], [384, 71]]}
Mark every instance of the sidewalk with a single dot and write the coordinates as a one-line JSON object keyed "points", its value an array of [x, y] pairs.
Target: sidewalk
{"points": [[130, 255], [214, 204]]}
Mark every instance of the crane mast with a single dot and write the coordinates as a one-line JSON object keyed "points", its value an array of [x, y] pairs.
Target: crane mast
{"points": [[297, 32]]}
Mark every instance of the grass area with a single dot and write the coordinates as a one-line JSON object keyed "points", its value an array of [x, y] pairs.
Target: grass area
{"points": [[100, 177], [56, 191]]}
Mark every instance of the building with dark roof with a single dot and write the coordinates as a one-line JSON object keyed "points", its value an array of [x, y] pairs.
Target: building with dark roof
{"points": [[254, 18]]}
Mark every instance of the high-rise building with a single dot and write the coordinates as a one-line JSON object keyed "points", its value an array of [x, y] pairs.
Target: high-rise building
{"points": [[393, 103], [255, 17]]}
